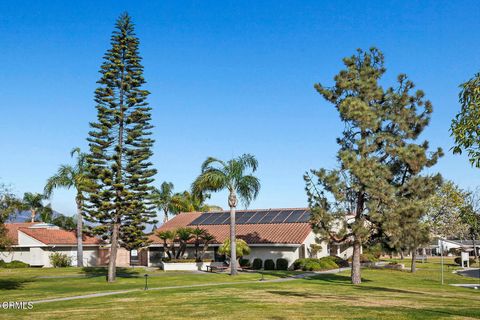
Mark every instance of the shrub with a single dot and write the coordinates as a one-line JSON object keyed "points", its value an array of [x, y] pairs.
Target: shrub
{"points": [[367, 257], [312, 265], [2, 264], [282, 264], [269, 265], [342, 263], [244, 263], [168, 260], [458, 261], [257, 264], [60, 260], [327, 263], [16, 264]]}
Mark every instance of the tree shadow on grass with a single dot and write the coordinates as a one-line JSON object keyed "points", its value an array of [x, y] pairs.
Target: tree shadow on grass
{"points": [[308, 295], [13, 284], [334, 278], [91, 272], [382, 289]]}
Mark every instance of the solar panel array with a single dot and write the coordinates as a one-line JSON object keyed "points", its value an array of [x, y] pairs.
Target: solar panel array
{"points": [[254, 217]]}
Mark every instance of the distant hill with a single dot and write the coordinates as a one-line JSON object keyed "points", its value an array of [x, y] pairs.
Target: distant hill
{"points": [[25, 216]]}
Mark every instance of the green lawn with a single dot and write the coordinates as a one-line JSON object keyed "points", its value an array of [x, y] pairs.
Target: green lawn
{"points": [[384, 294]]}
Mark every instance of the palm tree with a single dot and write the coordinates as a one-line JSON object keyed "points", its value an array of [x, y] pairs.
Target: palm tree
{"points": [[198, 235], [183, 235], [165, 236], [218, 175], [34, 203], [163, 199], [207, 239], [189, 202], [67, 177], [242, 249]]}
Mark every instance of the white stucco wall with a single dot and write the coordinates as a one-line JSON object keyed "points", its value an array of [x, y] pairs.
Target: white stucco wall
{"points": [[9, 256]]}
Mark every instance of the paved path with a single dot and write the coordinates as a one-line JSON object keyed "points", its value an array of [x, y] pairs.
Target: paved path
{"points": [[110, 293], [473, 273]]}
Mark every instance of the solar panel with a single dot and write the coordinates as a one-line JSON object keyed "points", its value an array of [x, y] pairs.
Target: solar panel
{"points": [[281, 216], [221, 217], [255, 218], [200, 219], [305, 217], [296, 214], [211, 217], [242, 217], [268, 217]]}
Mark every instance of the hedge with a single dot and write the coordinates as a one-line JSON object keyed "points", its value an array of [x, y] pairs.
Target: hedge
{"points": [[257, 264], [282, 264], [269, 265]]}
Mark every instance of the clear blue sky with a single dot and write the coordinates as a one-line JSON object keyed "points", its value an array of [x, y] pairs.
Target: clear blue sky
{"points": [[218, 66]]}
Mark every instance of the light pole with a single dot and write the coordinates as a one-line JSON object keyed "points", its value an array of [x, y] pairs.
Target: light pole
{"points": [[146, 282], [441, 254]]}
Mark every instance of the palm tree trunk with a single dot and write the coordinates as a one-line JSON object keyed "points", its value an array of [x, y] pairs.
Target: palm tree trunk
{"points": [[356, 277], [112, 263], [165, 216], [33, 212], [79, 234], [232, 201], [475, 250]]}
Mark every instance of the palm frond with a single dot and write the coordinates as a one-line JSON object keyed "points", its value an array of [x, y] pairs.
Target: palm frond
{"points": [[248, 188]]}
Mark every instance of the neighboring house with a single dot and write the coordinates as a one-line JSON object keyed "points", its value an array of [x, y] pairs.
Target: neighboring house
{"points": [[271, 234], [463, 245], [33, 243]]}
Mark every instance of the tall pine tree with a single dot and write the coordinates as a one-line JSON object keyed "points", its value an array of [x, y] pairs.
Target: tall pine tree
{"points": [[376, 149], [119, 197]]}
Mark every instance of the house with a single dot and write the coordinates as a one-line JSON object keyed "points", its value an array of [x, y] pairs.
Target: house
{"points": [[33, 243], [461, 245], [271, 234]]}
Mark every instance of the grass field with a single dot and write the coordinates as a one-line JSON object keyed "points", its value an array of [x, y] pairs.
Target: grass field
{"points": [[384, 294]]}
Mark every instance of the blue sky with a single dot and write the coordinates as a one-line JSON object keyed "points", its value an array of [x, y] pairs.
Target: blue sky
{"points": [[218, 66]]}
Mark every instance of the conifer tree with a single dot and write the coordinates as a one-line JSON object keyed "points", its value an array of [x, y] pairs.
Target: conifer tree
{"points": [[119, 195], [376, 147]]}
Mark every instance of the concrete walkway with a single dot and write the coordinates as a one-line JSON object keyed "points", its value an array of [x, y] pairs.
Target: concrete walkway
{"points": [[110, 293]]}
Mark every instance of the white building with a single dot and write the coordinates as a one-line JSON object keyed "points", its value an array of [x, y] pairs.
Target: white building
{"points": [[33, 243], [270, 234]]}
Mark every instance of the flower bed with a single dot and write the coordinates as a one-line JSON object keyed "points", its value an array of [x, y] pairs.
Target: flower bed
{"points": [[184, 265]]}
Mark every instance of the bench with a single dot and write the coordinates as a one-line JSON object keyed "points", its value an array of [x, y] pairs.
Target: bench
{"points": [[422, 259], [216, 268]]}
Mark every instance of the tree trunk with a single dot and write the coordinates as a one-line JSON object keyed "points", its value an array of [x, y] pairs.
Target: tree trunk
{"points": [[112, 263], [165, 216], [33, 212], [165, 249], [79, 234], [401, 255], [414, 261], [356, 276], [232, 202]]}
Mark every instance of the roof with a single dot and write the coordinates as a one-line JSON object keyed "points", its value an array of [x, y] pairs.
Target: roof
{"points": [[46, 235], [259, 233], [12, 230]]}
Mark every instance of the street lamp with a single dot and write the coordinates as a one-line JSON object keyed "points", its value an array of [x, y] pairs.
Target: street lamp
{"points": [[146, 282]]}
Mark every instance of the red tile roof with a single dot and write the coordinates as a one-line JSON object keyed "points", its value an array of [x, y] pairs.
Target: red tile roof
{"points": [[268, 233], [49, 236], [12, 230]]}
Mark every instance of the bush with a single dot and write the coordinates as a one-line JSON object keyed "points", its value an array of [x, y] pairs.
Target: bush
{"points": [[342, 263], [60, 260], [168, 260], [244, 263], [367, 257], [14, 264], [393, 262], [282, 264], [269, 265], [458, 261], [2, 264], [257, 264], [325, 263], [328, 263]]}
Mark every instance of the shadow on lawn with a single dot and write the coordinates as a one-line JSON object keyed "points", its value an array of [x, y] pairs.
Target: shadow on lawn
{"points": [[9, 284], [102, 272], [334, 278]]}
